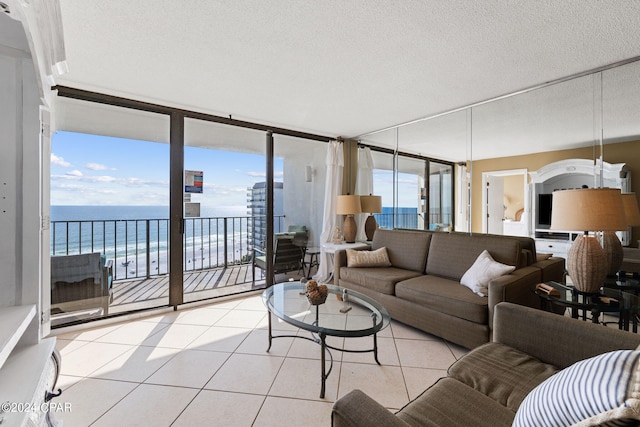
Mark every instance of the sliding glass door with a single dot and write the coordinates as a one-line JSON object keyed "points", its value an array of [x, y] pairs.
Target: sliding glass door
{"points": [[224, 208], [109, 243]]}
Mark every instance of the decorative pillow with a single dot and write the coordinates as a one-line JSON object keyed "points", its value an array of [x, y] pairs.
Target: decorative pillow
{"points": [[377, 258], [482, 271], [602, 390]]}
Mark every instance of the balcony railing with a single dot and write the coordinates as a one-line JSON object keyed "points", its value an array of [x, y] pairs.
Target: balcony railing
{"points": [[412, 220], [140, 247]]}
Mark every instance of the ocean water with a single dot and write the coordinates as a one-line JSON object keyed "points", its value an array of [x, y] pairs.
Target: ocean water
{"points": [[138, 236]]}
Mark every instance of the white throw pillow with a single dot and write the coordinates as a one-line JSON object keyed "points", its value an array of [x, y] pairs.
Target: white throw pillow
{"points": [[602, 390], [377, 258], [482, 271]]}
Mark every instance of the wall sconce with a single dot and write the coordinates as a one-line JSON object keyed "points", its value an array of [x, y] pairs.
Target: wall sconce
{"points": [[308, 173]]}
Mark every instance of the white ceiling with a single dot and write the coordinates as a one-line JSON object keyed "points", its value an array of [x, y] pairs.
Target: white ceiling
{"points": [[346, 68]]}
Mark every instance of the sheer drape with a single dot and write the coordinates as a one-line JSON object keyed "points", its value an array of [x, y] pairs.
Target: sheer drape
{"points": [[364, 186], [333, 187]]}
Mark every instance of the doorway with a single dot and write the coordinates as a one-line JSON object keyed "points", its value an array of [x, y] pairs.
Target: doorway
{"points": [[505, 202]]}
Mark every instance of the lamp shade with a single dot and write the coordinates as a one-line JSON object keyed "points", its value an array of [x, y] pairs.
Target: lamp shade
{"points": [[588, 209], [631, 212], [348, 205], [371, 204]]}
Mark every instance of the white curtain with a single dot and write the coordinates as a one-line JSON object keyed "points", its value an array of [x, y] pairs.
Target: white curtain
{"points": [[364, 186], [333, 188]]}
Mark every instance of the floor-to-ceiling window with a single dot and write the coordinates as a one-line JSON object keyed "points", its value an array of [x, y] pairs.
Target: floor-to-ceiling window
{"points": [[416, 192], [167, 206], [109, 196], [225, 208], [440, 195]]}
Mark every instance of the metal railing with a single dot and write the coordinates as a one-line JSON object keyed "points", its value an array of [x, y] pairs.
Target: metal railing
{"points": [[411, 220], [140, 247]]}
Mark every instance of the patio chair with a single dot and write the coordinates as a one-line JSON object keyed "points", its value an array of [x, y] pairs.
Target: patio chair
{"points": [[81, 282], [300, 239], [287, 257]]}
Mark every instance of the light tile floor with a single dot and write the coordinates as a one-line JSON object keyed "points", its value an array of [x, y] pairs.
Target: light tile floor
{"points": [[209, 366]]}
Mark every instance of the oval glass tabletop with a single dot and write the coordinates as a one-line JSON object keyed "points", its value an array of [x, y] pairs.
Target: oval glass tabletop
{"points": [[288, 302]]}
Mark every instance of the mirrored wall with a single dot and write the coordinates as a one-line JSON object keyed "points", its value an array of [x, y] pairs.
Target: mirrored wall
{"points": [[593, 115]]}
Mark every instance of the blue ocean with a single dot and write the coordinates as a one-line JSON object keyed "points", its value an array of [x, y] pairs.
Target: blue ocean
{"points": [[136, 237]]}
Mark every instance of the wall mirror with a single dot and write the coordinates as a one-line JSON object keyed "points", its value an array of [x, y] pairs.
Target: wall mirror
{"points": [[590, 116]]}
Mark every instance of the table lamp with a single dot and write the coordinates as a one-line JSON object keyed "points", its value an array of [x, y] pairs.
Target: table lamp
{"points": [[631, 211], [370, 204], [610, 241], [348, 205], [588, 209]]}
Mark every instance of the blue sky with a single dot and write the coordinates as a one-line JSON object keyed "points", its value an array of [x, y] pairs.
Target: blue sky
{"points": [[98, 170]]}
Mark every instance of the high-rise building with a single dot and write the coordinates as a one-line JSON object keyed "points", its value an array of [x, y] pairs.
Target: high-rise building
{"points": [[257, 211]]}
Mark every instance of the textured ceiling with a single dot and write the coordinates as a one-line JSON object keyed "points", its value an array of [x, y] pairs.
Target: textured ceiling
{"points": [[346, 68]]}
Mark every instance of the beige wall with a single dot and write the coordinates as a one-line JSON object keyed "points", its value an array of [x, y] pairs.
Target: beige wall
{"points": [[623, 152]]}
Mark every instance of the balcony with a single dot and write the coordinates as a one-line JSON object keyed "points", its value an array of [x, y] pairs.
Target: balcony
{"points": [[217, 257]]}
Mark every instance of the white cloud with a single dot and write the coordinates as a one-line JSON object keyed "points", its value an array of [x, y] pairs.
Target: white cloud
{"points": [[59, 161], [75, 172], [96, 167], [277, 174]]}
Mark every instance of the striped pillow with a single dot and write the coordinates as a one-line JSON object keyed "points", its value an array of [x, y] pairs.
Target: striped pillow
{"points": [[603, 390]]}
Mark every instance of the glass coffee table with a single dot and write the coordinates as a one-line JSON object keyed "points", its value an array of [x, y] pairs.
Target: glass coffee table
{"points": [[361, 316]]}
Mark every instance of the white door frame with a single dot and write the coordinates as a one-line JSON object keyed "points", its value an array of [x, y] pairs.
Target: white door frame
{"points": [[485, 179]]}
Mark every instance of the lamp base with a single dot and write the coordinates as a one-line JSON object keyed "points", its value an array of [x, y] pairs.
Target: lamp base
{"points": [[349, 229], [370, 227], [587, 264], [613, 248]]}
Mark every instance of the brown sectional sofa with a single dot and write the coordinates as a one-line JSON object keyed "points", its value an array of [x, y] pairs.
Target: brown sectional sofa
{"points": [[422, 287], [487, 385]]}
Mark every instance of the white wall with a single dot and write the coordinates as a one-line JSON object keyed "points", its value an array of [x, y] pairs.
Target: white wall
{"points": [[304, 201]]}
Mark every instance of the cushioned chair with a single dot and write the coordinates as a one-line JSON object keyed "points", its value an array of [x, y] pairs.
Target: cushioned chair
{"points": [[80, 282], [287, 256]]}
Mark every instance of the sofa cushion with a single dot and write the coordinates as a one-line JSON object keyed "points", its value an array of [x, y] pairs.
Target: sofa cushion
{"points": [[406, 249], [602, 390], [485, 269], [381, 280], [503, 373], [377, 258], [446, 296], [452, 403], [451, 255]]}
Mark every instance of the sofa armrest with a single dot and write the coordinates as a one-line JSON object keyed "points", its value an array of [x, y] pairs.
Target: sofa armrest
{"points": [[515, 288], [558, 340], [552, 269], [340, 260], [357, 409]]}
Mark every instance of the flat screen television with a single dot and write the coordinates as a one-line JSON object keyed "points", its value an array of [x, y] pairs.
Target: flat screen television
{"points": [[545, 204]]}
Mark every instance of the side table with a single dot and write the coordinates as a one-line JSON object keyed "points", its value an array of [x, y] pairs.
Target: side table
{"points": [[608, 300]]}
